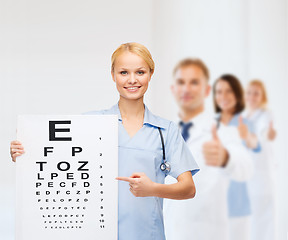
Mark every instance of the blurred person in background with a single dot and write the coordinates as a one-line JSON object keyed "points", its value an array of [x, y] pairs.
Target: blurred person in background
{"points": [[228, 96], [220, 154], [262, 185]]}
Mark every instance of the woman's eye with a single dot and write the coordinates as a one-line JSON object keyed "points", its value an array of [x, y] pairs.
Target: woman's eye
{"points": [[123, 72], [140, 72]]}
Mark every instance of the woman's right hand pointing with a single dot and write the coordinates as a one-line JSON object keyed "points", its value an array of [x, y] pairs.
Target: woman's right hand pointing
{"points": [[16, 150]]}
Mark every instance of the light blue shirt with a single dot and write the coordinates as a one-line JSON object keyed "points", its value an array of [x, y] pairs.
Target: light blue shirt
{"points": [[238, 198], [141, 218]]}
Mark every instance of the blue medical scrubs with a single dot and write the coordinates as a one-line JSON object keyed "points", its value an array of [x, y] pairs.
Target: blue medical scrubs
{"points": [[238, 198], [141, 218]]}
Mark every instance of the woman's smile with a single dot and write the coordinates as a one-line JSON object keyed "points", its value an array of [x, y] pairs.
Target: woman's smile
{"points": [[132, 89]]}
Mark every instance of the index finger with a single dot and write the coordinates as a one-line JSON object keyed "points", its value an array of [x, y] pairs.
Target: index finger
{"points": [[126, 179]]}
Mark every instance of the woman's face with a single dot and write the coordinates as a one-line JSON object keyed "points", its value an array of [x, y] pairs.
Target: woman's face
{"points": [[131, 75], [253, 97], [225, 97]]}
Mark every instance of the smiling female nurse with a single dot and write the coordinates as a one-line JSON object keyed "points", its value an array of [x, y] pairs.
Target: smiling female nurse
{"points": [[141, 185]]}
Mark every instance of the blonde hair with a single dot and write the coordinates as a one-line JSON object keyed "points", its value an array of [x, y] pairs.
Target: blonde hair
{"points": [[261, 85], [136, 48], [187, 62]]}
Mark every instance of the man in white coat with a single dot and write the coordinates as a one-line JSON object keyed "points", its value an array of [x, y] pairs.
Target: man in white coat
{"points": [[219, 153]]}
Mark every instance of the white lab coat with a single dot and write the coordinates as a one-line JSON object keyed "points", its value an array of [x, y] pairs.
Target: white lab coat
{"points": [[261, 187], [205, 217]]}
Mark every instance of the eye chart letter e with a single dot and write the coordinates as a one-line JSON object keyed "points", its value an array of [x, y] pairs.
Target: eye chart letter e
{"points": [[65, 182]]}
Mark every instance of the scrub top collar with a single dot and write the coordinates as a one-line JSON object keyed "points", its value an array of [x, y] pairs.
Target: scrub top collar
{"points": [[149, 118]]}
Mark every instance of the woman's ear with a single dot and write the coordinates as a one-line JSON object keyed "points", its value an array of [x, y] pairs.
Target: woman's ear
{"points": [[151, 74], [112, 74]]}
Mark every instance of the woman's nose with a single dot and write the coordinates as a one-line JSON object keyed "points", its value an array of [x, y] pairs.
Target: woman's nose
{"points": [[132, 79]]}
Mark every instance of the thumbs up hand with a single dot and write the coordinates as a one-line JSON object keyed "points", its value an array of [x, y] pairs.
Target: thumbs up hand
{"points": [[214, 152], [242, 129], [214, 133], [271, 132], [250, 139]]}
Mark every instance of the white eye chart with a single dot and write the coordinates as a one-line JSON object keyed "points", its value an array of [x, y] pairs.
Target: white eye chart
{"points": [[65, 180]]}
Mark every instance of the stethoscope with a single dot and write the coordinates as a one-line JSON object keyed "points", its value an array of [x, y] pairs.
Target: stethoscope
{"points": [[164, 166]]}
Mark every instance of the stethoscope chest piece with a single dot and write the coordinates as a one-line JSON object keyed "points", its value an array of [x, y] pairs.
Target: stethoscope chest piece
{"points": [[165, 167]]}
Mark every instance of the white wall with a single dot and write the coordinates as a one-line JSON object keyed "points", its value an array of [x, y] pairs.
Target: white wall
{"points": [[55, 58]]}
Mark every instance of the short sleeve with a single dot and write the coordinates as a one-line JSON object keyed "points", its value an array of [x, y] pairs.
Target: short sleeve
{"points": [[178, 154]]}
